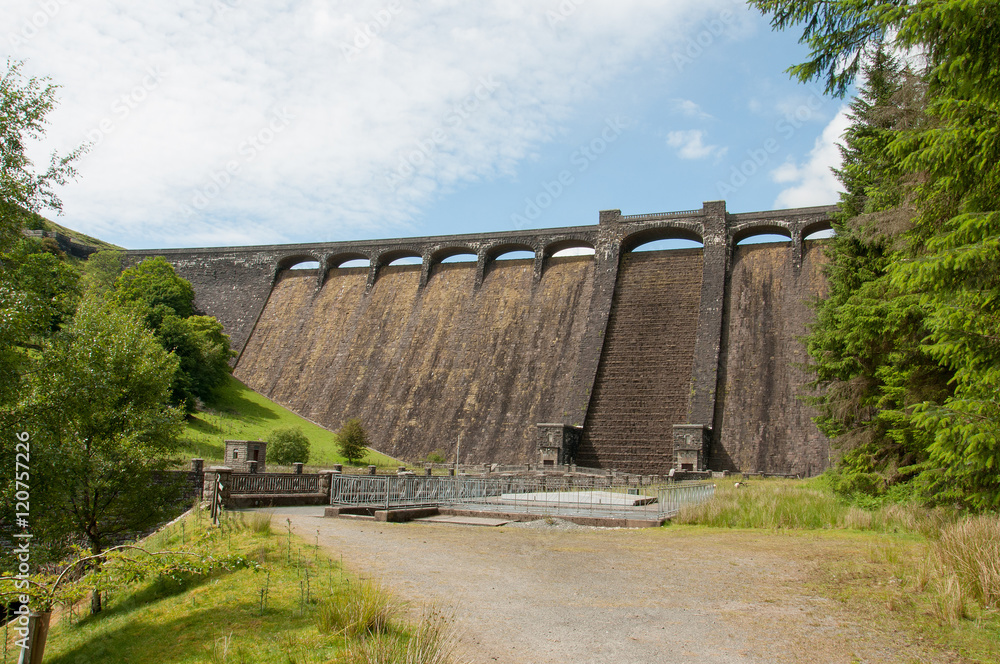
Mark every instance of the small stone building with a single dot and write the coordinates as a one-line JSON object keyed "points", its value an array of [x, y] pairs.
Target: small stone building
{"points": [[557, 443], [239, 454]]}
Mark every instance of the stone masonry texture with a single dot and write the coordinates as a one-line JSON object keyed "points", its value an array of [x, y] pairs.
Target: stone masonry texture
{"points": [[766, 426], [625, 344], [645, 372]]}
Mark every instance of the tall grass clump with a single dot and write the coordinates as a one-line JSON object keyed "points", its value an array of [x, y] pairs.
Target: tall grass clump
{"points": [[259, 522], [361, 609], [427, 644], [970, 551], [807, 505], [766, 504]]}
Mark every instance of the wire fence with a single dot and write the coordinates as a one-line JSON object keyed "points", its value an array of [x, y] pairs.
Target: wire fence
{"points": [[578, 496]]}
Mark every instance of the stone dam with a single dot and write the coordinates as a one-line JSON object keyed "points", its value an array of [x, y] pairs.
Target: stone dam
{"points": [[637, 361]]}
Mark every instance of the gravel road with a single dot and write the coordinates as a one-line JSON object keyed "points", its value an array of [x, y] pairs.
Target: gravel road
{"points": [[571, 594]]}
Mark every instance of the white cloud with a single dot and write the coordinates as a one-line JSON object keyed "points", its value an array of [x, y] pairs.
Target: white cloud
{"points": [[690, 109], [813, 183], [690, 145], [388, 104]]}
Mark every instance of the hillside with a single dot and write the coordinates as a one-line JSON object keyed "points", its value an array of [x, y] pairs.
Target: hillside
{"points": [[239, 413]]}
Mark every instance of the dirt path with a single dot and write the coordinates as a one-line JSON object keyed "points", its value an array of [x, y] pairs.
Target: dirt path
{"points": [[578, 595]]}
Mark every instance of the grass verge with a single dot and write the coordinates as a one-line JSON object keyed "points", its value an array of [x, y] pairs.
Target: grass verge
{"points": [[239, 413], [928, 571], [274, 612]]}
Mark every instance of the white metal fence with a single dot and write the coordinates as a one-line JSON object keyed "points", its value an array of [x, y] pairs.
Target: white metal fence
{"points": [[545, 496]]}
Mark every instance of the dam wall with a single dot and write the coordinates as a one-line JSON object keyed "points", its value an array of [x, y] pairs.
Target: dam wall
{"points": [[624, 345]]}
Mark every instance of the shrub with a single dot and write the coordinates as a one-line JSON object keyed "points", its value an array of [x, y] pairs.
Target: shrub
{"points": [[353, 440], [287, 446], [436, 457]]}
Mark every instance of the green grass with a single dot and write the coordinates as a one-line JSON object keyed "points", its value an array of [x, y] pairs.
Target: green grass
{"points": [[239, 413], [934, 571], [808, 505], [275, 614]]}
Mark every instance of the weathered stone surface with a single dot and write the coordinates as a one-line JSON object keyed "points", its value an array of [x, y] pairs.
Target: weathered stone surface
{"points": [[764, 426]]}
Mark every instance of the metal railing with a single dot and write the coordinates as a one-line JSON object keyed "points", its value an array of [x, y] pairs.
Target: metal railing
{"points": [[273, 483], [543, 496]]}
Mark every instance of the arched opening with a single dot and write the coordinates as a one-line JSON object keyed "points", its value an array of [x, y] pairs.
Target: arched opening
{"points": [[514, 254], [348, 260], [762, 235], [821, 234], [299, 262], [454, 255], [662, 239], [764, 238], [667, 245], [356, 262], [569, 247], [398, 257], [406, 260], [574, 251]]}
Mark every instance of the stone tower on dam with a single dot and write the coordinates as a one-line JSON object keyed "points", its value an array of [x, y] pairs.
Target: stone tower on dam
{"points": [[640, 361]]}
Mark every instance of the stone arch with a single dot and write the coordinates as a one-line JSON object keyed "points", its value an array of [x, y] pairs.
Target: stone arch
{"points": [[634, 240], [748, 232], [444, 253], [816, 227], [336, 260], [555, 247], [497, 250], [290, 261]]}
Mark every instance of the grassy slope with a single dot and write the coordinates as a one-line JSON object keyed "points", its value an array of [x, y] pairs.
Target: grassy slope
{"points": [[219, 619], [239, 413]]}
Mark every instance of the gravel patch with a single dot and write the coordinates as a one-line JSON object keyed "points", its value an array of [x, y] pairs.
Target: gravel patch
{"points": [[551, 591]]}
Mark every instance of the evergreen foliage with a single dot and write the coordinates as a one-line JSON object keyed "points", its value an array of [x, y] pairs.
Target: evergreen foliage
{"points": [[908, 344], [353, 440], [287, 446]]}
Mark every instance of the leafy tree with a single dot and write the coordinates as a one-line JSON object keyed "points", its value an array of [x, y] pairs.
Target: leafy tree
{"points": [[166, 302], [155, 286], [287, 446], [950, 262], [101, 270], [101, 423], [24, 103], [353, 440]]}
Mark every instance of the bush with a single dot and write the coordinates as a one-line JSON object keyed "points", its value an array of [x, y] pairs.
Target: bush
{"points": [[287, 446], [353, 440], [437, 456]]}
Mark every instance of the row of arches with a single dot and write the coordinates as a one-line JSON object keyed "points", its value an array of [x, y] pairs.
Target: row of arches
{"points": [[648, 237]]}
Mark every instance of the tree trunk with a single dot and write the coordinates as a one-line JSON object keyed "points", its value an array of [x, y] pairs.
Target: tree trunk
{"points": [[95, 602]]}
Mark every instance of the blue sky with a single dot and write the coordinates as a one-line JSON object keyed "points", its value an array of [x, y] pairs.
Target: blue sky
{"points": [[225, 122]]}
